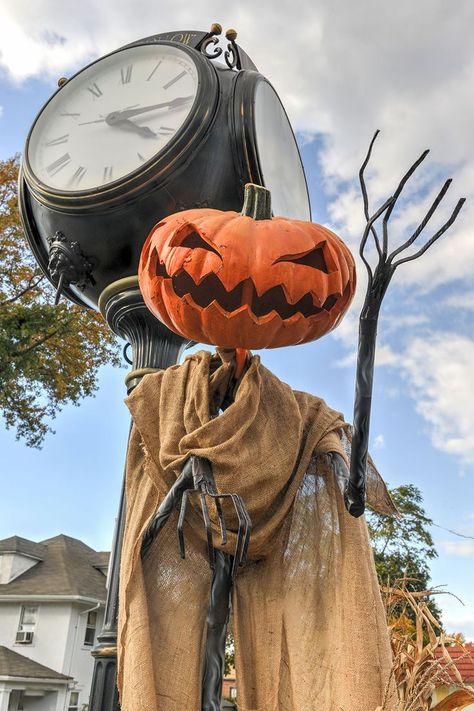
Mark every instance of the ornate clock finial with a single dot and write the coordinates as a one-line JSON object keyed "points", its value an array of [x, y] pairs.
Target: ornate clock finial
{"points": [[232, 57]]}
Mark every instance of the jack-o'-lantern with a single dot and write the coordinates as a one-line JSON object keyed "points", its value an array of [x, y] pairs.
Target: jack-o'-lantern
{"points": [[246, 280]]}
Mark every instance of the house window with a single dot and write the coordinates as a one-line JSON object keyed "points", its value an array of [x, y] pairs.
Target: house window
{"points": [[91, 624], [233, 692], [73, 701], [27, 624], [28, 617]]}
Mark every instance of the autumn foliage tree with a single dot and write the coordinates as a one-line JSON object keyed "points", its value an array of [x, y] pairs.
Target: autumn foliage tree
{"points": [[403, 547], [49, 356]]}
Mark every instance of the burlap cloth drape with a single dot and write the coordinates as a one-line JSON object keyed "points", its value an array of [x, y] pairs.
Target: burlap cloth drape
{"points": [[307, 616]]}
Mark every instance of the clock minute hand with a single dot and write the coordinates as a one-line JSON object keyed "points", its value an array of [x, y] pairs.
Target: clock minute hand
{"points": [[116, 116]]}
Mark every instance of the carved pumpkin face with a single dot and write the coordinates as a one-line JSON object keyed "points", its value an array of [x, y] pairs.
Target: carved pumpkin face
{"points": [[233, 281]]}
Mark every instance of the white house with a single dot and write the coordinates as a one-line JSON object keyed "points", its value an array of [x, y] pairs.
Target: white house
{"points": [[52, 599]]}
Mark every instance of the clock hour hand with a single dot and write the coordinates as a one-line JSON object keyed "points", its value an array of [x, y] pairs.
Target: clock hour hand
{"points": [[131, 126], [122, 122], [116, 116]]}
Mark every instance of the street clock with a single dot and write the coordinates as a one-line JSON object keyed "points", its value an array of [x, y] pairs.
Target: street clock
{"points": [[155, 127]]}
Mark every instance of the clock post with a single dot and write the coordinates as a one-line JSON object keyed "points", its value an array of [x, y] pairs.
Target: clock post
{"points": [[153, 347]]}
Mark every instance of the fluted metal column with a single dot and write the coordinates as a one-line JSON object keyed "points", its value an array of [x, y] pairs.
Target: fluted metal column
{"points": [[154, 347]]}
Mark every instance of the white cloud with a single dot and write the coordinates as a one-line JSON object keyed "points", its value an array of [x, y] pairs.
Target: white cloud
{"points": [[440, 370], [460, 548], [463, 300], [405, 322], [459, 622], [379, 442]]}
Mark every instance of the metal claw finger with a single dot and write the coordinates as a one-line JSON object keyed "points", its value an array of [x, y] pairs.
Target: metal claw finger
{"points": [[240, 534], [248, 532], [207, 524], [220, 516], [182, 515], [246, 529]]}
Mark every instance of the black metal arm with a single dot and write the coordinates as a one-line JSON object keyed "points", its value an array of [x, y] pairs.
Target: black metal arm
{"points": [[378, 281], [167, 506]]}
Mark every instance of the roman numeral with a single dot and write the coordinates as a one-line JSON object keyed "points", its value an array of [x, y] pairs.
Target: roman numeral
{"points": [[165, 131], [58, 164], [107, 177], [95, 91], [126, 74], [78, 175], [57, 141], [154, 70], [140, 157], [68, 113], [173, 81]]}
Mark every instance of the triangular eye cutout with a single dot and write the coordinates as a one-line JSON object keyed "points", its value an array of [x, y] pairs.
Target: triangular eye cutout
{"points": [[195, 241], [314, 258]]}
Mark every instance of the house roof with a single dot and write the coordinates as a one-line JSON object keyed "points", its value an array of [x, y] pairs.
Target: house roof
{"points": [[14, 664], [67, 567], [463, 657], [15, 544], [102, 559]]}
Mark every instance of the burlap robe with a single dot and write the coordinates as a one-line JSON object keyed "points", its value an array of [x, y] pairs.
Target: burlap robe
{"points": [[307, 615]]}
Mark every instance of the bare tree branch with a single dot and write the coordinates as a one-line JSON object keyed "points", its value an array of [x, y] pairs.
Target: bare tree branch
{"points": [[44, 339], [30, 287]]}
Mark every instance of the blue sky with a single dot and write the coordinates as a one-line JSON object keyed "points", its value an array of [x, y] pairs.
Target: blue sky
{"points": [[405, 70]]}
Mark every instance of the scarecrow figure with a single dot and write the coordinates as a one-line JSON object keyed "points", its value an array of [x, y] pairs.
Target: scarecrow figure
{"points": [[264, 485]]}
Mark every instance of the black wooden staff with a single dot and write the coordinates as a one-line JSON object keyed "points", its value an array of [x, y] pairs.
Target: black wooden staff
{"points": [[378, 281]]}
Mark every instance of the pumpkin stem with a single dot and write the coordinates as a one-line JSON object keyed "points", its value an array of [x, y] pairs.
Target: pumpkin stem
{"points": [[257, 202]]}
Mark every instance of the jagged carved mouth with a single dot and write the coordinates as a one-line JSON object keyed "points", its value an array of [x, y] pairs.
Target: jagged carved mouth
{"points": [[212, 289]]}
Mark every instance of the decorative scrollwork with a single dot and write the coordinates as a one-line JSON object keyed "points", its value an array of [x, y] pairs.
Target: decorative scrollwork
{"points": [[212, 39], [209, 47], [213, 52], [68, 264]]}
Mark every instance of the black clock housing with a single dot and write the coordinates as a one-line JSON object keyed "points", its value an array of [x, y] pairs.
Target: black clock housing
{"points": [[207, 165]]}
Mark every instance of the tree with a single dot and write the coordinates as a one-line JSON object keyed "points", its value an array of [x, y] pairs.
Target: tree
{"points": [[49, 356], [404, 546]]}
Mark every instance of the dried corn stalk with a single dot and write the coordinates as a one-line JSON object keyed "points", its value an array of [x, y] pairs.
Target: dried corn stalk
{"points": [[421, 658]]}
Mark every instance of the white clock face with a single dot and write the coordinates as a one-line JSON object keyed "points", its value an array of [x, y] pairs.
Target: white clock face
{"points": [[279, 157], [113, 117]]}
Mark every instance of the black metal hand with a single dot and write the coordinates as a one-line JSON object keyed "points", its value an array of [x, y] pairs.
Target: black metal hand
{"points": [[116, 116], [378, 281], [197, 476], [205, 485]]}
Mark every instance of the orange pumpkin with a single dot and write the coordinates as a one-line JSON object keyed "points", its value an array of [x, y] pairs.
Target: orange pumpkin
{"points": [[246, 280]]}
